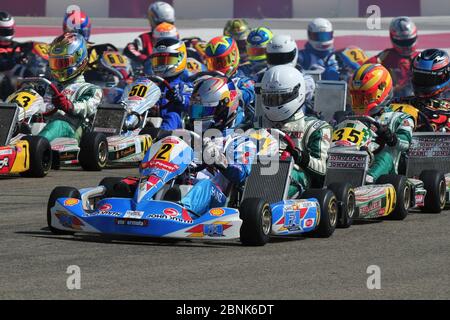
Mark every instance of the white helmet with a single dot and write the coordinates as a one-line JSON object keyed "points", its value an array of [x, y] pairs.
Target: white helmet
{"points": [[320, 34], [159, 12], [283, 92], [282, 49]]}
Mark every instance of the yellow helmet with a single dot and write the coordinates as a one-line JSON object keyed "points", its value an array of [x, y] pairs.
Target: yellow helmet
{"points": [[169, 57]]}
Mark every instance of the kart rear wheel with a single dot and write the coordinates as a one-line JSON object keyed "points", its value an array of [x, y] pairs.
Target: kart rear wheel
{"points": [[403, 194], [434, 183], [60, 192], [93, 151], [345, 196], [256, 222], [40, 157], [328, 211]]}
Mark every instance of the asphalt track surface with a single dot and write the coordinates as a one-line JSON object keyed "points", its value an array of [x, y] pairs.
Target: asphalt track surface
{"points": [[413, 256]]}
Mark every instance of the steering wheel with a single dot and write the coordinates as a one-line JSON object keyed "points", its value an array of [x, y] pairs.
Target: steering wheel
{"points": [[162, 82], [291, 147], [46, 82]]}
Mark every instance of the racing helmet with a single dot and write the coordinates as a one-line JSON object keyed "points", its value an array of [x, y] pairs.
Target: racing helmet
{"points": [[283, 92], [214, 102], [431, 73], [169, 57], [159, 12], [282, 50], [403, 34], [78, 22], [222, 54], [7, 26], [370, 89], [320, 34], [238, 29], [68, 56], [165, 30], [257, 41]]}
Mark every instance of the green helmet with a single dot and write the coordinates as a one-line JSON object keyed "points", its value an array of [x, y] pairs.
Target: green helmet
{"points": [[237, 29]]}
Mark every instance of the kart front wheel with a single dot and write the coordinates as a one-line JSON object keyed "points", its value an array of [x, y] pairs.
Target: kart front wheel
{"points": [[93, 151], [403, 195], [60, 192], [434, 183], [345, 196], [40, 156], [256, 222], [328, 211]]}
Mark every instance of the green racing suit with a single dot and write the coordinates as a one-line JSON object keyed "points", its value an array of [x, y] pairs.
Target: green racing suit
{"points": [[85, 98], [387, 160], [312, 136]]}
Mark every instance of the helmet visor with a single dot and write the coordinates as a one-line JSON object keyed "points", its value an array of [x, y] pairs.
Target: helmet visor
{"points": [[200, 112], [6, 32], [322, 36], [406, 43], [276, 99], [61, 63], [165, 59], [429, 79], [360, 102], [275, 59], [256, 51], [218, 63]]}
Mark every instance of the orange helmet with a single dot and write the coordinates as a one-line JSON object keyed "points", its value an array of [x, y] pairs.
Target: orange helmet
{"points": [[370, 89]]}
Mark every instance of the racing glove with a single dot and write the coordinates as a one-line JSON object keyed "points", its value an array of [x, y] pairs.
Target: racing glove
{"points": [[61, 102], [384, 134], [301, 158], [212, 154]]}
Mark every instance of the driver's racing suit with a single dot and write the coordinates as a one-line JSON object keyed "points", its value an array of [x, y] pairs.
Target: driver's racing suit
{"points": [[313, 137], [211, 189], [85, 98], [387, 160]]}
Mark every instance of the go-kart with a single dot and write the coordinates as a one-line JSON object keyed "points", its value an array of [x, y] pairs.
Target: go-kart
{"points": [[118, 132], [151, 206], [30, 156], [350, 156]]}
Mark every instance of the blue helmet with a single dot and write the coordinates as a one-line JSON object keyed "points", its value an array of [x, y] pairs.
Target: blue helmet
{"points": [[431, 73]]}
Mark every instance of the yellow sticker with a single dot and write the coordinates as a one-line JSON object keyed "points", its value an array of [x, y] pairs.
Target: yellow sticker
{"points": [[41, 49], [138, 90], [406, 108], [115, 59], [164, 152], [356, 55], [23, 99], [348, 134], [391, 200]]}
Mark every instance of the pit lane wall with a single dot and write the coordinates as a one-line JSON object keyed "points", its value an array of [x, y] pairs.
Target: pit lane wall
{"points": [[195, 9]]}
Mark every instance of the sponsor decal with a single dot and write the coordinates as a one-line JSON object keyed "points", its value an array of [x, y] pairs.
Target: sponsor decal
{"points": [[166, 217], [133, 214], [5, 152], [71, 202], [131, 222], [371, 206], [420, 199], [68, 220], [162, 165], [171, 212], [103, 213], [4, 163], [308, 223], [170, 140], [292, 220], [215, 229], [217, 212], [105, 207]]}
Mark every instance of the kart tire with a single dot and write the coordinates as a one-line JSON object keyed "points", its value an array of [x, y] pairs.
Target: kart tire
{"points": [[256, 218], [434, 183], [60, 192], [93, 151], [328, 211], [403, 194], [40, 157], [345, 196]]}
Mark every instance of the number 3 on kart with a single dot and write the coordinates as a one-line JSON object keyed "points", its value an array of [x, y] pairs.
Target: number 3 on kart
{"points": [[347, 134]]}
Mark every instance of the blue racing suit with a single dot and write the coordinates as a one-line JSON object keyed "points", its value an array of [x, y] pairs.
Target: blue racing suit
{"points": [[211, 189], [172, 109], [246, 86], [310, 59]]}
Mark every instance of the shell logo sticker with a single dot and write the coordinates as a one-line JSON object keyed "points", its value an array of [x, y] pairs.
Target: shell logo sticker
{"points": [[71, 202], [217, 212], [171, 212]]}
